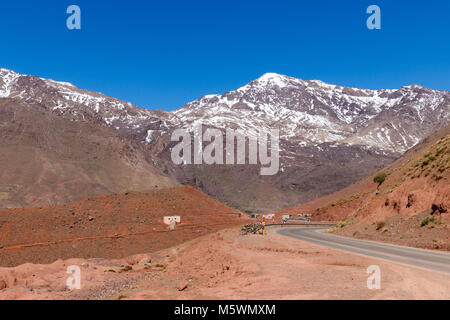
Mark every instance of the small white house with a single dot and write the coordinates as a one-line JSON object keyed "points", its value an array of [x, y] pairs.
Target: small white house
{"points": [[286, 216], [169, 219]]}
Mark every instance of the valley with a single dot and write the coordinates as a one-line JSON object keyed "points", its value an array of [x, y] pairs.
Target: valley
{"points": [[90, 181], [330, 136]]}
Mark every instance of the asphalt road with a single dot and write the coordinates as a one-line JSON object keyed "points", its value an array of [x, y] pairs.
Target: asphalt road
{"points": [[439, 261]]}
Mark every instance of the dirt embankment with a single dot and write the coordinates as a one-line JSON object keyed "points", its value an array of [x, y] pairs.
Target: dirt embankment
{"points": [[111, 226], [225, 265]]}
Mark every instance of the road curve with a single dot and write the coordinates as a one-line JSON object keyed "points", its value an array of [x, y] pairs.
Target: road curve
{"points": [[438, 261]]}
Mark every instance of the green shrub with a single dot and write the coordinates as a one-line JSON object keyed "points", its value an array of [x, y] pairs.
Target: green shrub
{"points": [[341, 223], [379, 178], [127, 268], [429, 220], [380, 224], [425, 163]]}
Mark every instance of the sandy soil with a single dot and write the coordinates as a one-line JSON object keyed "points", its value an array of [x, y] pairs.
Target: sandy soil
{"points": [[225, 265]]}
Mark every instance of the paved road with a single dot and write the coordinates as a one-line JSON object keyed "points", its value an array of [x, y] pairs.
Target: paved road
{"points": [[439, 261]]}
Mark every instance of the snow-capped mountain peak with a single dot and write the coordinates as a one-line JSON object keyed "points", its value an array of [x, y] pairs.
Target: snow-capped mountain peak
{"points": [[310, 111], [330, 135], [316, 112], [7, 78], [273, 79]]}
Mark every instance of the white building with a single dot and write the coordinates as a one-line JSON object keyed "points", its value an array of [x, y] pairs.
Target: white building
{"points": [[169, 219]]}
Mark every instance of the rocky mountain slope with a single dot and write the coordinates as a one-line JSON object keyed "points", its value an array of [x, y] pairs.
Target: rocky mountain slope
{"points": [[330, 136], [313, 112], [410, 207], [48, 157]]}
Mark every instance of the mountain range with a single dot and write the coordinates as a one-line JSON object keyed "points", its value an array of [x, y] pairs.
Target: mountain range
{"points": [[60, 143]]}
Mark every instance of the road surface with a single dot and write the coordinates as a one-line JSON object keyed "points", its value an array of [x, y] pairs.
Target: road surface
{"points": [[438, 261]]}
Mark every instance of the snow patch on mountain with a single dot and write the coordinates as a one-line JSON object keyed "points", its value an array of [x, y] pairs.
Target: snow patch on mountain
{"points": [[309, 112], [7, 77]]}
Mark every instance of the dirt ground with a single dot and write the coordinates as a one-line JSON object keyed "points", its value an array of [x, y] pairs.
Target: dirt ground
{"points": [[226, 265], [110, 227]]}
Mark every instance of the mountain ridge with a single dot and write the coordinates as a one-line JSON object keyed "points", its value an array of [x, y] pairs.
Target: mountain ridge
{"points": [[351, 111], [330, 136]]}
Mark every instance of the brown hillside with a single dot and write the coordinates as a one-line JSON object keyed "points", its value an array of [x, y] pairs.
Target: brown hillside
{"points": [[110, 226], [48, 159], [410, 207]]}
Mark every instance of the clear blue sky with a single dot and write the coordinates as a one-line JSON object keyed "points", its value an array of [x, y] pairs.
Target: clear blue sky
{"points": [[162, 54]]}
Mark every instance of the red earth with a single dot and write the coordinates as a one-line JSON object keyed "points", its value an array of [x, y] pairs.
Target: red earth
{"points": [[113, 226]]}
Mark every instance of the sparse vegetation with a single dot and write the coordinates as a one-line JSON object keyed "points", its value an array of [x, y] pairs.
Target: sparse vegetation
{"points": [[341, 223], [425, 162], [430, 156], [433, 163], [429, 220], [380, 224], [127, 268], [379, 178]]}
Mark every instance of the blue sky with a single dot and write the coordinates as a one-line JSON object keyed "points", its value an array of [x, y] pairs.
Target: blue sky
{"points": [[162, 54]]}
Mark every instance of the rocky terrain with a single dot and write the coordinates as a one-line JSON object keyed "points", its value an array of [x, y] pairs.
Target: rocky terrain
{"points": [[112, 226], [409, 207], [331, 136], [47, 157], [225, 265], [89, 178]]}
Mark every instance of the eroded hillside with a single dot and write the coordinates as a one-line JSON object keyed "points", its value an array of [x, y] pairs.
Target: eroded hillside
{"points": [[409, 207]]}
